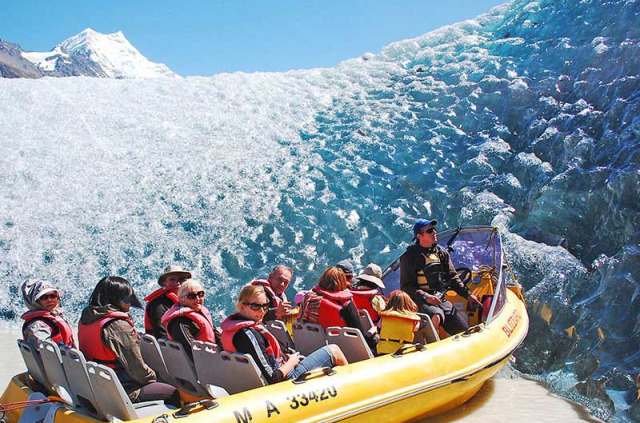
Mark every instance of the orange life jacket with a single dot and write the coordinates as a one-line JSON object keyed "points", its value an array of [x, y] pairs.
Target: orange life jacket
{"points": [[362, 299], [231, 325], [202, 319], [61, 332], [92, 344], [331, 302], [154, 295]]}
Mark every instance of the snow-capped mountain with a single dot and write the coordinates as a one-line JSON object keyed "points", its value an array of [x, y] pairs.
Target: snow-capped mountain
{"points": [[115, 55], [91, 53]]}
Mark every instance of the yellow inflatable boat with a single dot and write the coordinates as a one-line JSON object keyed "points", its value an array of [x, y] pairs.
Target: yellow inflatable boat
{"points": [[416, 381]]}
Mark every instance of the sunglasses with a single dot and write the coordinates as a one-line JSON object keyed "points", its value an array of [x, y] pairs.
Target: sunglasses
{"points": [[257, 306], [194, 295], [429, 231], [46, 297]]}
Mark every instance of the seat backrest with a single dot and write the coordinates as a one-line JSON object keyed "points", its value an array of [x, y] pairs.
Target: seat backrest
{"points": [[365, 319], [308, 337], [109, 392], [279, 329], [351, 342], [180, 367], [232, 372], [153, 357], [32, 360], [241, 372], [52, 361], [428, 332], [75, 367]]}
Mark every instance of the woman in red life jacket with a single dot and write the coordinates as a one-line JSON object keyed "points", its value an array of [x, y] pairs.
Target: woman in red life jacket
{"points": [[162, 299], [189, 320], [244, 332], [367, 291], [106, 335], [45, 319], [330, 304]]}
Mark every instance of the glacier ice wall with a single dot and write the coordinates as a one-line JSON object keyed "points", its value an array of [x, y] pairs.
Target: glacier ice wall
{"points": [[526, 118]]}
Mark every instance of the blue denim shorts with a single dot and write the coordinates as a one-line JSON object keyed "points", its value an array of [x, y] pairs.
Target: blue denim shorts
{"points": [[319, 358]]}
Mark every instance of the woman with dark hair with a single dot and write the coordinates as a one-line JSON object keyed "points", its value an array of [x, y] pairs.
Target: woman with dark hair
{"points": [[330, 304], [106, 335]]}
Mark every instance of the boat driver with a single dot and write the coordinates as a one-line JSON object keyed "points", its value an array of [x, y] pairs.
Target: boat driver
{"points": [[426, 272]]}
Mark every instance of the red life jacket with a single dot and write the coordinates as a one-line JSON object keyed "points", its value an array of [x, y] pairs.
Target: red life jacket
{"points": [[61, 332], [230, 326], [202, 319], [330, 305], [274, 300], [362, 299], [157, 294], [91, 343]]}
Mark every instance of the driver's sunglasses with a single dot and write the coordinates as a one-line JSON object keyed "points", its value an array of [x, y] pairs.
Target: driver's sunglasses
{"points": [[428, 231], [46, 297], [194, 295], [257, 306]]}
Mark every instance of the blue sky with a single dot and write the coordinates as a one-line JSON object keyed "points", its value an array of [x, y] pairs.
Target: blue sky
{"points": [[205, 37]]}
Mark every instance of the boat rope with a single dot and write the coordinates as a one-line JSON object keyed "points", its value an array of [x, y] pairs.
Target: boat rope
{"points": [[519, 292], [18, 405], [492, 271]]}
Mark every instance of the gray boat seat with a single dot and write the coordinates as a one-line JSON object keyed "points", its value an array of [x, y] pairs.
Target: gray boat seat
{"points": [[278, 329], [232, 372], [153, 357], [351, 342], [75, 367], [181, 368], [114, 400], [308, 337], [365, 319], [34, 364], [207, 364], [52, 362]]}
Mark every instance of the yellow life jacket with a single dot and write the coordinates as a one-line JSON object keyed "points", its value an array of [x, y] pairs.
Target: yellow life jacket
{"points": [[397, 329]]}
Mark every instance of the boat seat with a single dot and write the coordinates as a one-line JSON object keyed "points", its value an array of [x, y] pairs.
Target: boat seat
{"points": [[232, 372], [75, 367], [153, 357], [52, 361], [365, 319], [308, 337], [207, 368], [351, 342], [180, 366], [34, 364], [279, 329], [428, 333], [113, 398]]}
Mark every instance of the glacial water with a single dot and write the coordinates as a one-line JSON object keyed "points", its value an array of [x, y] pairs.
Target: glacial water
{"points": [[527, 118]]}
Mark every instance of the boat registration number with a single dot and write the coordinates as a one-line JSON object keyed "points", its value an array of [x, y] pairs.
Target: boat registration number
{"points": [[296, 401]]}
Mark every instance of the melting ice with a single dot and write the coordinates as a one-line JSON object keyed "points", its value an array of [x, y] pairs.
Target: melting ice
{"points": [[526, 118]]}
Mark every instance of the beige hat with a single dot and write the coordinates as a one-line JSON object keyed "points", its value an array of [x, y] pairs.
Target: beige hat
{"points": [[173, 270], [372, 273]]}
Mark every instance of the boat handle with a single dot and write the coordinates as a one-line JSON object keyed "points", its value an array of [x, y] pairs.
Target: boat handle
{"points": [[408, 348], [184, 411], [472, 329], [324, 371]]}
